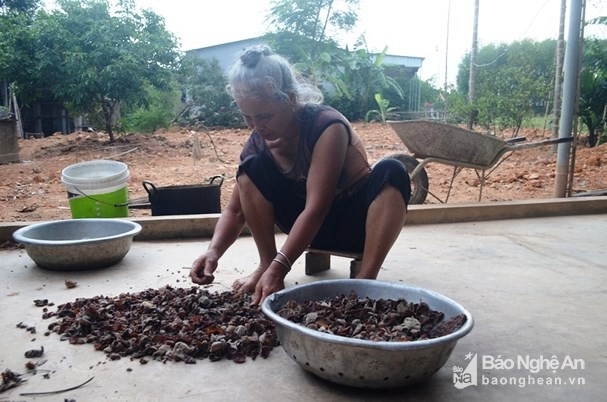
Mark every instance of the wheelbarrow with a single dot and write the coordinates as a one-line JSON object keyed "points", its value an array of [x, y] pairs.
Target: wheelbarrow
{"points": [[432, 141]]}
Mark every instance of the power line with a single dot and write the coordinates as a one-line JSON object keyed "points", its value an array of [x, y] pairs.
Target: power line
{"points": [[522, 36]]}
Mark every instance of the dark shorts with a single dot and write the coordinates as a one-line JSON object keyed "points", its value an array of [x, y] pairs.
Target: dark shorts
{"points": [[344, 226]]}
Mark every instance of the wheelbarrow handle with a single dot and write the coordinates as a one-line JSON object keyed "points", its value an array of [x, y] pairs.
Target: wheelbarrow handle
{"points": [[516, 139], [560, 140], [538, 143]]}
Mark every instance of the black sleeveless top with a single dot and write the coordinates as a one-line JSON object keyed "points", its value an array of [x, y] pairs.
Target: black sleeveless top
{"points": [[315, 119]]}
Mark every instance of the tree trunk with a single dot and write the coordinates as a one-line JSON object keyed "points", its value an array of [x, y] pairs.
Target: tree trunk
{"points": [[108, 112], [592, 137]]}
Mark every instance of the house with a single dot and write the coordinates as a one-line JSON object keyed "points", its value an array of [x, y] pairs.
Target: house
{"points": [[47, 118], [227, 53], [405, 66]]}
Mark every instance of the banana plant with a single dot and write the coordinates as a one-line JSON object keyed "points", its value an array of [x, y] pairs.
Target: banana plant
{"points": [[382, 111]]}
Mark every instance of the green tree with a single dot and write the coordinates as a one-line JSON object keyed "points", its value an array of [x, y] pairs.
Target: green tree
{"points": [[18, 6], [159, 111], [593, 85], [593, 88], [362, 75], [15, 53], [456, 105], [513, 82], [94, 56], [306, 32], [305, 29], [314, 19], [206, 100]]}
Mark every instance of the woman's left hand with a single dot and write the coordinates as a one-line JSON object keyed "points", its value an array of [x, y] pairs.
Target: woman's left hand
{"points": [[270, 282]]}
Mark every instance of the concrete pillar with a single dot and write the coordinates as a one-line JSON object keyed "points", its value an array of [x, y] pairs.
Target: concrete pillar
{"points": [[9, 144]]}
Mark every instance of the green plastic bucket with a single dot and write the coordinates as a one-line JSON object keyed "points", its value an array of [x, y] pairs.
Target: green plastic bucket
{"points": [[97, 189]]}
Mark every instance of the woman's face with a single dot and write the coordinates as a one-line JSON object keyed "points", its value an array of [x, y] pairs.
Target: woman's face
{"points": [[270, 118]]}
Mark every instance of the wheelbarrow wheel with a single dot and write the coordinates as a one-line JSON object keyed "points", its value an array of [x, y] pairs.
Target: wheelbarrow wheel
{"points": [[419, 183]]}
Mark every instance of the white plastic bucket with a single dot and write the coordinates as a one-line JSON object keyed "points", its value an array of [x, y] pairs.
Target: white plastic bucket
{"points": [[97, 189]]}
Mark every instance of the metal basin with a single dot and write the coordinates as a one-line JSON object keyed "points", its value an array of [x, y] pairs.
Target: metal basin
{"points": [[78, 244], [363, 363]]}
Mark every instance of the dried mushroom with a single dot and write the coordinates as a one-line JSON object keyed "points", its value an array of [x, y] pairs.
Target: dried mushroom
{"points": [[168, 324], [370, 319], [10, 379]]}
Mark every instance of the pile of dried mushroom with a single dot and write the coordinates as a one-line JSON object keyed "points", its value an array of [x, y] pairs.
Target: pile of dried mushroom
{"points": [[168, 324]]}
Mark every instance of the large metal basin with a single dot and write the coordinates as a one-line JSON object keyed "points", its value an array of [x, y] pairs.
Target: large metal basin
{"points": [[364, 363], [78, 244]]}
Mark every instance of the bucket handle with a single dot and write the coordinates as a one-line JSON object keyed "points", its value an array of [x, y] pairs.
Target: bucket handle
{"points": [[124, 204], [150, 188], [152, 191], [217, 177]]}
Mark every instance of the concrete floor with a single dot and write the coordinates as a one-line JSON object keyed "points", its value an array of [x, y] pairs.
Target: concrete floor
{"points": [[536, 288]]}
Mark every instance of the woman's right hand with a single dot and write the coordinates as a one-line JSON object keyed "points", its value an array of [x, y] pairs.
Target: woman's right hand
{"points": [[203, 268], [226, 232]]}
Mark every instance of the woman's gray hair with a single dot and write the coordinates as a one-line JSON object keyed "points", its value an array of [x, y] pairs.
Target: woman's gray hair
{"points": [[261, 72]]}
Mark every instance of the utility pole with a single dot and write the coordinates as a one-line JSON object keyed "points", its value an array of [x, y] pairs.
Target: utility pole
{"points": [[571, 68], [558, 77], [446, 86], [447, 46], [472, 78]]}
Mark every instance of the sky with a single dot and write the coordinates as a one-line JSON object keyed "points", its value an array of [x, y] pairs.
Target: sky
{"points": [[440, 31]]}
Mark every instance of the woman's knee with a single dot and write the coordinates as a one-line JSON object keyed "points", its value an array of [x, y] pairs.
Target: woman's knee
{"points": [[248, 190], [391, 172], [391, 168]]}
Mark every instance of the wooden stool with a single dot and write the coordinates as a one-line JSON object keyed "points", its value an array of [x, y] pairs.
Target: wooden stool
{"points": [[320, 260]]}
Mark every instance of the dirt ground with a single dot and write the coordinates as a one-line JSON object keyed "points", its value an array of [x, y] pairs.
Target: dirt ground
{"points": [[31, 190]]}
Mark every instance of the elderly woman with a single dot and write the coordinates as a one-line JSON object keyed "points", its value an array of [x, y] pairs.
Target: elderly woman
{"points": [[305, 170]]}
